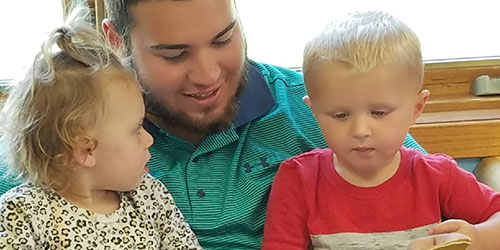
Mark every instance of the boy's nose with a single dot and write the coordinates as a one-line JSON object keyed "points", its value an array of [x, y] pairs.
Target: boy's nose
{"points": [[361, 128]]}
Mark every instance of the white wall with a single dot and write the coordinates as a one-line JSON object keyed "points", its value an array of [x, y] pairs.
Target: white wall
{"points": [[277, 30]]}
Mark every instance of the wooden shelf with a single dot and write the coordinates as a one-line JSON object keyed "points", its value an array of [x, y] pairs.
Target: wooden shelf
{"points": [[459, 116], [460, 139], [455, 122]]}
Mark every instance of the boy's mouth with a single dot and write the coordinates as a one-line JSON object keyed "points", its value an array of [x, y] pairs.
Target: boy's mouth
{"points": [[363, 149]]}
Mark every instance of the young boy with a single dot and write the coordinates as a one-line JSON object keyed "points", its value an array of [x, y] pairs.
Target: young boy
{"points": [[364, 76]]}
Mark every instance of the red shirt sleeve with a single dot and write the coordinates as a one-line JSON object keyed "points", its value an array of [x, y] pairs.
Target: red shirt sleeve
{"points": [[463, 197], [286, 221]]}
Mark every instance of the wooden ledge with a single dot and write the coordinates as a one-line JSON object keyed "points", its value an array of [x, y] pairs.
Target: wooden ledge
{"points": [[446, 103], [455, 122], [459, 116], [460, 139]]}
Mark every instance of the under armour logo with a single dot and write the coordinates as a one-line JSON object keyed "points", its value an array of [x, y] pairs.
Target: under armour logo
{"points": [[263, 162]]}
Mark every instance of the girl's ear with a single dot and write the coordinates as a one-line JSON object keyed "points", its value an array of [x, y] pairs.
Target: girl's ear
{"points": [[420, 104], [111, 34], [84, 151]]}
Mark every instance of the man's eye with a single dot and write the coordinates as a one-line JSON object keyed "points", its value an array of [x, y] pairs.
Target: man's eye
{"points": [[175, 59], [222, 43]]}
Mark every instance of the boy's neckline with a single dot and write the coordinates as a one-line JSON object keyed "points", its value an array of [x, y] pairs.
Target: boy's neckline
{"points": [[369, 193], [381, 176]]}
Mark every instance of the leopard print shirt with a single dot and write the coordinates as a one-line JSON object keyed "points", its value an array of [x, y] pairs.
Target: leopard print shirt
{"points": [[37, 217]]}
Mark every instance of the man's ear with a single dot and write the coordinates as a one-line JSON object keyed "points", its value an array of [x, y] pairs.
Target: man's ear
{"points": [[307, 101], [84, 151], [111, 34], [420, 104]]}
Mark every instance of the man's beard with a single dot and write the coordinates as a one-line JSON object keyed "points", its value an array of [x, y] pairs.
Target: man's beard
{"points": [[178, 118]]}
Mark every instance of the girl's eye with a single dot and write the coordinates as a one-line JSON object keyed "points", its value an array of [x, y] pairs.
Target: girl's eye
{"points": [[175, 59], [222, 43], [139, 129], [378, 113]]}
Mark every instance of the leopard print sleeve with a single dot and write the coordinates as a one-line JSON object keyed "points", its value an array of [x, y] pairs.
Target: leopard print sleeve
{"points": [[17, 229], [175, 232]]}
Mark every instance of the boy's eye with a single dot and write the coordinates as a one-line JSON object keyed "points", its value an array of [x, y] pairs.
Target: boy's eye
{"points": [[378, 113], [340, 116]]}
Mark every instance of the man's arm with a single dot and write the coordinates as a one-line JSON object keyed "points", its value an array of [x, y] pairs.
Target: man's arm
{"points": [[6, 182]]}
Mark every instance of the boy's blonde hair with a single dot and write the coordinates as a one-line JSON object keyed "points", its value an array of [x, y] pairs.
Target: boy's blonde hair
{"points": [[364, 40], [58, 99]]}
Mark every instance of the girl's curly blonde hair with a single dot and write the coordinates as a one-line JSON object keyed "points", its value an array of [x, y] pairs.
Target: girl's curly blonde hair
{"points": [[58, 99]]}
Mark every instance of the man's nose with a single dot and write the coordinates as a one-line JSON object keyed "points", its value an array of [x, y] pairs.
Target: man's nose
{"points": [[205, 69]]}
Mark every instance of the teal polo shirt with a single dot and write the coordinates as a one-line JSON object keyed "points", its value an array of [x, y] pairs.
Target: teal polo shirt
{"points": [[222, 185]]}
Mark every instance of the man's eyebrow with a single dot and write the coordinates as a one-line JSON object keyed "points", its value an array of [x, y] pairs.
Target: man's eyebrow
{"points": [[184, 46], [168, 46], [225, 30]]}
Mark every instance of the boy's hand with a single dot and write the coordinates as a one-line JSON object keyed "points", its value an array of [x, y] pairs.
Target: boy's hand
{"points": [[455, 241], [457, 226]]}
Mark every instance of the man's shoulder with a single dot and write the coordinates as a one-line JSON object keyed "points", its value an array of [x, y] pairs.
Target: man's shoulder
{"points": [[7, 182], [286, 86], [273, 75], [289, 115]]}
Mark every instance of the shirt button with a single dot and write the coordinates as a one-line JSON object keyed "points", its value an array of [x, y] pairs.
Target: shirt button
{"points": [[200, 193], [195, 159]]}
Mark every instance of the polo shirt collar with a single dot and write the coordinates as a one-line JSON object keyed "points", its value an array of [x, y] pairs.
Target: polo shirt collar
{"points": [[255, 100]]}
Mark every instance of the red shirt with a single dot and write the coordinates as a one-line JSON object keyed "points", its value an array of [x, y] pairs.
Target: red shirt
{"points": [[311, 204]]}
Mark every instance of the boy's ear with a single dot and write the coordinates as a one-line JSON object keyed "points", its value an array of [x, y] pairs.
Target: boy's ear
{"points": [[420, 104], [111, 34], [307, 101], [84, 151]]}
